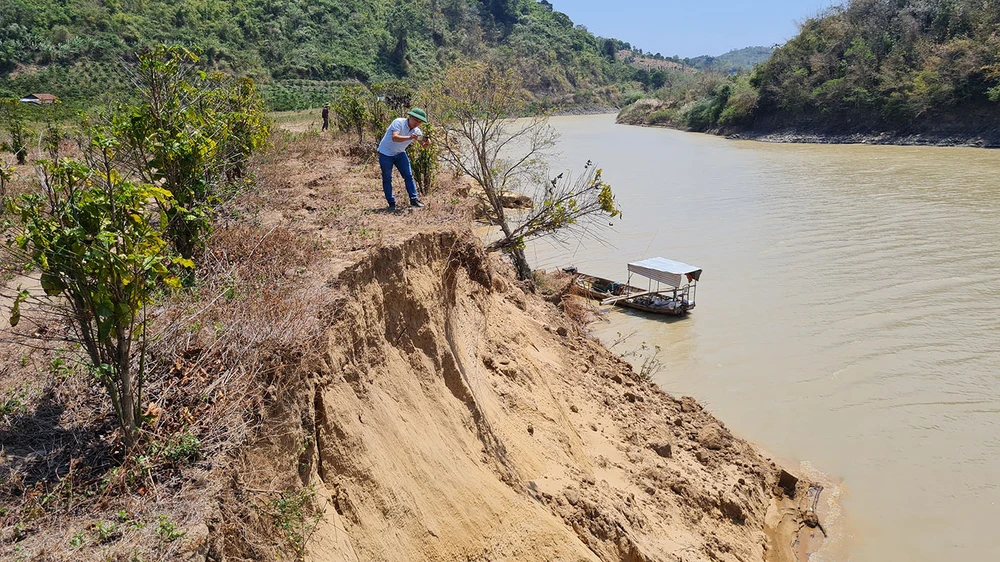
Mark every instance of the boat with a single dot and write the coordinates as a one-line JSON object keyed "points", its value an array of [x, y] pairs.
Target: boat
{"points": [[671, 287]]}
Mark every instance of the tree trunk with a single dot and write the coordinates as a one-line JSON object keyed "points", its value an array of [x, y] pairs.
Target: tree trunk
{"points": [[520, 264]]}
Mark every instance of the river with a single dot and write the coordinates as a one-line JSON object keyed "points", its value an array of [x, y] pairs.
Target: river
{"points": [[848, 316]]}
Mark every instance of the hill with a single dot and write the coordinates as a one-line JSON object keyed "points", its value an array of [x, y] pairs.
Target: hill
{"points": [[302, 50], [733, 61], [928, 71], [886, 65]]}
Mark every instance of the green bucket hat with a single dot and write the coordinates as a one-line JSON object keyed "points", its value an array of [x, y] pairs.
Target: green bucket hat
{"points": [[418, 113]]}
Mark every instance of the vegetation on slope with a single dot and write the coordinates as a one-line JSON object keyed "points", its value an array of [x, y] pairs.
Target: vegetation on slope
{"points": [[733, 61], [301, 52], [872, 65]]}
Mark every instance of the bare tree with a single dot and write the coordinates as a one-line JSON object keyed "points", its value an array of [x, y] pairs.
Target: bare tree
{"points": [[475, 105]]}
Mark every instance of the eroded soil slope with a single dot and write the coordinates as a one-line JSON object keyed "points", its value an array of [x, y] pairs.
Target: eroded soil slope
{"points": [[454, 417]]}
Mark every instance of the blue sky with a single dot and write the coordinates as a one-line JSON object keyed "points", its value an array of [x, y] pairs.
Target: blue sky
{"points": [[694, 27]]}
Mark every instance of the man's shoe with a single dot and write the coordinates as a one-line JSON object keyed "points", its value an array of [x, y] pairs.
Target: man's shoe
{"points": [[416, 203], [392, 208]]}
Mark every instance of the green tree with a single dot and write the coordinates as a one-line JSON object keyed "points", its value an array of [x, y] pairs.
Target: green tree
{"points": [[608, 49], [12, 118], [189, 132], [246, 126], [352, 109], [92, 237]]}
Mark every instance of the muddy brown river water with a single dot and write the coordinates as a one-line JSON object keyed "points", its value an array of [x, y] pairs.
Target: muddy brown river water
{"points": [[848, 317]]}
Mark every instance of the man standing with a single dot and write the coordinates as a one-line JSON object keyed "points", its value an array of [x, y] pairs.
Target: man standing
{"points": [[326, 116], [392, 152]]}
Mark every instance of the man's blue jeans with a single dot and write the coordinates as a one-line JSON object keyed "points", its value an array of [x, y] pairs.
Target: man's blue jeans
{"points": [[402, 163]]}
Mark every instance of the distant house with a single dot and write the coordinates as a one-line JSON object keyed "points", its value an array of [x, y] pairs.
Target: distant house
{"points": [[40, 99]]}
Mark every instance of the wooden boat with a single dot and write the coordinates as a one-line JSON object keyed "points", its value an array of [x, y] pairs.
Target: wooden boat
{"points": [[671, 295]]}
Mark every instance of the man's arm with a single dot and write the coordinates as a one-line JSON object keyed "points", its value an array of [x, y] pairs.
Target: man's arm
{"points": [[396, 137]]}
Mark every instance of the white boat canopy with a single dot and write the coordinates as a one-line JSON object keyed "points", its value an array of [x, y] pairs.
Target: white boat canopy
{"points": [[665, 271]]}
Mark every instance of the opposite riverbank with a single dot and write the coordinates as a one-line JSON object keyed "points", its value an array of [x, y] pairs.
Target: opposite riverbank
{"points": [[976, 132]]}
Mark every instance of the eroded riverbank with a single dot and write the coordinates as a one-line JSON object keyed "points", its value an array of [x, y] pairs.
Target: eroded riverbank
{"points": [[967, 133], [433, 408]]}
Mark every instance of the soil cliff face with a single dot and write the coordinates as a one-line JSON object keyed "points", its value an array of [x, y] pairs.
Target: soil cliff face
{"points": [[453, 417]]}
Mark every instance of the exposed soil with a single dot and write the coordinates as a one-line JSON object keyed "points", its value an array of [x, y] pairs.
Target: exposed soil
{"points": [[460, 418]]}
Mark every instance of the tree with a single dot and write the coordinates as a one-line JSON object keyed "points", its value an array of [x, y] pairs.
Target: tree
{"points": [[475, 104], [12, 118], [352, 110], [403, 20], [247, 126], [189, 132], [608, 49], [91, 236], [104, 233]]}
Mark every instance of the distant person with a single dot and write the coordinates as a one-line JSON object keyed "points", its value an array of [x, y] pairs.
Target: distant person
{"points": [[392, 152], [326, 116]]}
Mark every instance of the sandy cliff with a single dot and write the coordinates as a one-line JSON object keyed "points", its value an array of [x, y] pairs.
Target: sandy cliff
{"points": [[451, 416]]}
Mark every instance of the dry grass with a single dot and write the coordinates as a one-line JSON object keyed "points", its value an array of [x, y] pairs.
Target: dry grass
{"points": [[255, 306], [555, 286]]}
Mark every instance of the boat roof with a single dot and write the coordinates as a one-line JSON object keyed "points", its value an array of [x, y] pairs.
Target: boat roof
{"points": [[664, 270]]}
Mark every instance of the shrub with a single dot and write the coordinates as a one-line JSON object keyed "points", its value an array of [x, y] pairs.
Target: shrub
{"points": [[352, 110], [12, 118], [425, 160], [94, 242], [742, 103], [190, 133]]}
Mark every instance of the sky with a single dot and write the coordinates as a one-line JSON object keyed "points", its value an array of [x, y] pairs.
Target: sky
{"points": [[693, 27]]}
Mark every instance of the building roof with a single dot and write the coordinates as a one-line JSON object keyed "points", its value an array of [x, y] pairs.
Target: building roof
{"points": [[40, 98]]}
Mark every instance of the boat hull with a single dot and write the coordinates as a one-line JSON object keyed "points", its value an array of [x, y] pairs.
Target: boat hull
{"points": [[600, 289]]}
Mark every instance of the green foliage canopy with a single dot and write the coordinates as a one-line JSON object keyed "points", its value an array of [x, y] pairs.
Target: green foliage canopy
{"points": [[869, 65], [94, 242], [299, 50]]}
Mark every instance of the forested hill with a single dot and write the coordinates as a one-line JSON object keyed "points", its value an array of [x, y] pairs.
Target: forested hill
{"points": [[302, 49], [896, 67], [888, 63], [733, 61]]}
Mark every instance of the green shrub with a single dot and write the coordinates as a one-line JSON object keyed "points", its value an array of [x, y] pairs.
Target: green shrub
{"points": [[351, 108], [93, 241], [13, 120], [425, 160], [742, 103], [191, 145]]}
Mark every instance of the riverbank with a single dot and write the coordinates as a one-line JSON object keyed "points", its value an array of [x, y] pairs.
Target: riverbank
{"points": [[983, 133], [417, 403], [967, 139], [942, 139], [586, 109]]}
